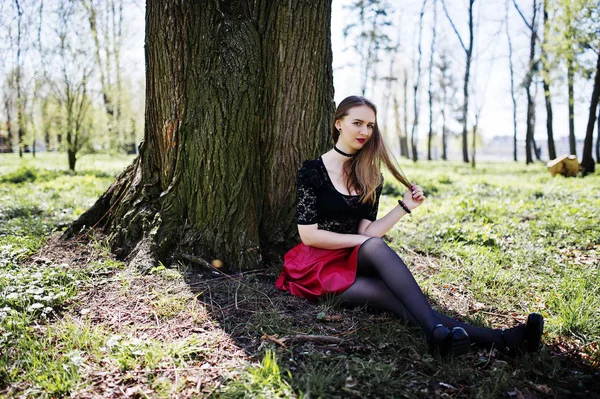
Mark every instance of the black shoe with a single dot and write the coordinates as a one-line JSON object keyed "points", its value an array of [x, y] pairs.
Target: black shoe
{"points": [[532, 337], [456, 343], [533, 332]]}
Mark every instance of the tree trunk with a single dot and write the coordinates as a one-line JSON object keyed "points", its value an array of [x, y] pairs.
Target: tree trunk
{"points": [[236, 98], [570, 83], [72, 159], [474, 142], [528, 82], [466, 84], [546, 83], [404, 138], [413, 135], [465, 109], [9, 138], [430, 91], [587, 162], [598, 137], [512, 85]]}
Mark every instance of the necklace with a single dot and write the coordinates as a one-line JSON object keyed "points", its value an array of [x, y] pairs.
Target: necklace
{"points": [[342, 152]]}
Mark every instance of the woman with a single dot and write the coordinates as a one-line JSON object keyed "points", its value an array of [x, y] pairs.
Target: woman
{"points": [[341, 250]]}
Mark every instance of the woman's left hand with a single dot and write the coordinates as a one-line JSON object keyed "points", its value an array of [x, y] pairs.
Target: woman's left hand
{"points": [[414, 197]]}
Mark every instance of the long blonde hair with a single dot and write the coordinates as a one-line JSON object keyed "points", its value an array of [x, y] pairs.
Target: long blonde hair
{"points": [[363, 171]]}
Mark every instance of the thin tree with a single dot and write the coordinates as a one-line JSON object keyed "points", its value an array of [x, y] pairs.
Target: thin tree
{"points": [[404, 137], [587, 162], [570, 58], [430, 89], [9, 128], [469, 56], [105, 20], [446, 94], [369, 36], [215, 174], [512, 81], [413, 135], [546, 82], [598, 137], [20, 100], [528, 81], [71, 87]]}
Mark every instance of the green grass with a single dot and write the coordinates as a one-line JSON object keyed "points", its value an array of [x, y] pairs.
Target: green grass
{"points": [[502, 240]]}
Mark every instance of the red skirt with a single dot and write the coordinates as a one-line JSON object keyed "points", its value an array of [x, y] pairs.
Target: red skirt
{"points": [[310, 272]]}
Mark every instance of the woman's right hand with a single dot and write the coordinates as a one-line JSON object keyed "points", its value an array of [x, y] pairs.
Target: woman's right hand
{"points": [[414, 197]]}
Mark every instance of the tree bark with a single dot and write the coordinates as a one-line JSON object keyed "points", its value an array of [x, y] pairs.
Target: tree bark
{"points": [[587, 162], [237, 96], [546, 83]]}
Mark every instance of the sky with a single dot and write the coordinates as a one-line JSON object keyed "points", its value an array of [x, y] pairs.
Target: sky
{"points": [[490, 69]]}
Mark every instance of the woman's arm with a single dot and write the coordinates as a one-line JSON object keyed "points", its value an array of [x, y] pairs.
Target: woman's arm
{"points": [[313, 237], [412, 198]]}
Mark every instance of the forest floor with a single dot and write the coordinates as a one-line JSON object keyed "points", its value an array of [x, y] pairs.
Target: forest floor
{"points": [[490, 245]]}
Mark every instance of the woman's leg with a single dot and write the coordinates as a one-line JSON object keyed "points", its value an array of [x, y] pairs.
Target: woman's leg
{"points": [[398, 292], [374, 254], [372, 292]]}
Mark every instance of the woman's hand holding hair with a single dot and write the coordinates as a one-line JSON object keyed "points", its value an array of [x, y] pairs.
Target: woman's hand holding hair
{"points": [[414, 197]]}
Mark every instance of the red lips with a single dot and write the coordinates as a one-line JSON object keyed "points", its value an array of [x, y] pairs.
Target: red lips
{"points": [[361, 140]]}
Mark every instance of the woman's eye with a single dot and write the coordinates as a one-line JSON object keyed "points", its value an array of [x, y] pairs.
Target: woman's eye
{"points": [[357, 123]]}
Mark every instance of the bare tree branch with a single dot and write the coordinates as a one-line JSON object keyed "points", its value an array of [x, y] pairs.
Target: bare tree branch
{"points": [[453, 26], [522, 16]]}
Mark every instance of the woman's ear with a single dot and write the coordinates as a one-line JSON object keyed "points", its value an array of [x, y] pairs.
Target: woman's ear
{"points": [[338, 124]]}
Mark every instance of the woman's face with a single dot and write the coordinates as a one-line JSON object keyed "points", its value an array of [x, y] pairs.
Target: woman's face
{"points": [[356, 128]]}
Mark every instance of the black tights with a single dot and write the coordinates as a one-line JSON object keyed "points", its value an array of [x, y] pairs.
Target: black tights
{"points": [[383, 281]]}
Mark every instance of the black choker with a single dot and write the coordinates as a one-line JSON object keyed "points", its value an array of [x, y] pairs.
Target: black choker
{"points": [[342, 152]]}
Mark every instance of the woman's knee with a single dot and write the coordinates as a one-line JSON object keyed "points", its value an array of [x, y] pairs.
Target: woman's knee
{"points": [[374, 245], [374, 242]]}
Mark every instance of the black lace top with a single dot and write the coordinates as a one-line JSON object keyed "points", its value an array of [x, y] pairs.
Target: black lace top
{"points": [[317, 201]]}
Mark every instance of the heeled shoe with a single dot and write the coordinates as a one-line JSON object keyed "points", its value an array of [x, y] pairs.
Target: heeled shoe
{"points": [[532, 337], [456, 343]]}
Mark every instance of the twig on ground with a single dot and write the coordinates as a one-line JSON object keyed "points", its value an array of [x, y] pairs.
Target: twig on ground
{"points": [[325, 339]]}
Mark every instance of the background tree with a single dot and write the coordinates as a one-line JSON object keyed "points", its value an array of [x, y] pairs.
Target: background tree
{"points": [[105, 20], [227, 125], [546, 68], [529, 80], [430, 88], [21, 100], [369, 36], [512, 81], [404, 139], [70, 87], [587, 162], [588, 34], [417, 69], [446, 95], [468, 49]]}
